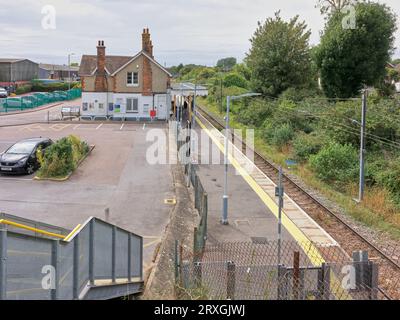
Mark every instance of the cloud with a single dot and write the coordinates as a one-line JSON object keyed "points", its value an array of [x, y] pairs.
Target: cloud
{"points": [[188, 31]]}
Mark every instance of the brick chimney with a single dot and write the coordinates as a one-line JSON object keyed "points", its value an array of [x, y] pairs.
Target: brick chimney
{"points": [[100, 81], [147, 44], [147, 47]]}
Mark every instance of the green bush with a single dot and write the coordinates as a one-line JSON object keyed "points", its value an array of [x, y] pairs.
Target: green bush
{"points": [[235, 80], [255, 113], [389, 178], [283, 135], [336, 163], [62, 157], [38, 86], [306, 145], [23, 89], [278, 135]]}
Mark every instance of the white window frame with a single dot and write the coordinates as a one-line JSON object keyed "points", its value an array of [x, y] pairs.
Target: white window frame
{"points": [[132, 84], [137, 104]]}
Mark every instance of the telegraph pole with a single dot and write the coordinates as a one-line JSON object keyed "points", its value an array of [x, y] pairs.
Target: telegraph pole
{"points": [[362, 146]]}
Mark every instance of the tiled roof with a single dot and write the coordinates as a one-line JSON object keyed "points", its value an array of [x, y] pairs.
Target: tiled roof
{"points": [[113, 63]]}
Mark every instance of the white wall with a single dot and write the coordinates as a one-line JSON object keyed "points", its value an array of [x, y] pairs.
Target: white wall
{"points": [[161, 103], [94, 101]]}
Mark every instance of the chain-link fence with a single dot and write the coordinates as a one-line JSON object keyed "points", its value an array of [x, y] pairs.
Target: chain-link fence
{"points": [[255, 271], [183, 135]]}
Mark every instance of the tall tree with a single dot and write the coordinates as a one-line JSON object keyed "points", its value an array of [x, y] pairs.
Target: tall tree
{"points": [[280, 55], [331, 6], [226, 64], [350, 58]]}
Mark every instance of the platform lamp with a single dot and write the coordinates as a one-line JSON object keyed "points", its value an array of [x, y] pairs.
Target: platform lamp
{"points": [[225, 197], [69, 70]]}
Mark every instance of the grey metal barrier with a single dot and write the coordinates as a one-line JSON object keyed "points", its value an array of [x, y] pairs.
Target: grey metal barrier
{"points": [[99, 261]]}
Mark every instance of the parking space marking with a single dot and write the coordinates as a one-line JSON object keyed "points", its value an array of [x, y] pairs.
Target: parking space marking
{"points": [[99, 126], [2, 178], [32, 128], [59, 127], [122, 126], [76, 127]]}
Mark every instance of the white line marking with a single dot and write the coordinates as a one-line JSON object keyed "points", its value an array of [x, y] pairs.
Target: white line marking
{"points": [[99, 126], [76, 127], [122, 126], [144, 126], [15, 179]]}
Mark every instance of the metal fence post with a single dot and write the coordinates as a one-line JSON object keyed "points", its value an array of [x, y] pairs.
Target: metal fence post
{"points": [[55, 263], [204, 220], [296, 275], [196, 192], [76, 268], [198, 274], [141, 258], [231, 280], [3, 263], [91, 251], [360, 263], [176, 261], [114, 254], [374, 274], [129, 257], [282, 282], [195, 241], [324, 282], [327, 281]]}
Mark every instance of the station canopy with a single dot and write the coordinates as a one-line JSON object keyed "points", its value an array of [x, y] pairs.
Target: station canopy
{"points": [[188, 89]]}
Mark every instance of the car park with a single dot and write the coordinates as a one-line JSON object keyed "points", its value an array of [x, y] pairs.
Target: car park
{"points": [[21, 157]]}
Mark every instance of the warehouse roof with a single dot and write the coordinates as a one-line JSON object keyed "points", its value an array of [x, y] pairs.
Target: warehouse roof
{"points": [[56, 67], [7, 60]]}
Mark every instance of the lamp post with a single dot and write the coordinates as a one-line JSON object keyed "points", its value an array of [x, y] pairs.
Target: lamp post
{"points": [[225, 197], [69, 70]]}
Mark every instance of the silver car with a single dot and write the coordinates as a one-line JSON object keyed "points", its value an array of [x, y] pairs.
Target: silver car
{"points": [[3, 93]]}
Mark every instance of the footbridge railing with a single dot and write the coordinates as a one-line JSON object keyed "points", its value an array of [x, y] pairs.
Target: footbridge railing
{"points": [[97, 260]]}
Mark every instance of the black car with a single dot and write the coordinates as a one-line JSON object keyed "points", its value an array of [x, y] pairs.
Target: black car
{"points": [[21, 157]]}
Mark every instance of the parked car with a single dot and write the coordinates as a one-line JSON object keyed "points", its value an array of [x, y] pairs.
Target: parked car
{"points": [[3, 93], [21, 157]]}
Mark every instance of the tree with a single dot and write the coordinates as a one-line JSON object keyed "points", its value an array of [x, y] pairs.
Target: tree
{"points": [[331, 6], [280, 55], [226, 64], [350, 58]]}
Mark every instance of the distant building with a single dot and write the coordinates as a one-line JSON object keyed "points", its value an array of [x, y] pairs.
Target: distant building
{"points": [[57, 72], [397, 68], [16, 72], [125, 87]]}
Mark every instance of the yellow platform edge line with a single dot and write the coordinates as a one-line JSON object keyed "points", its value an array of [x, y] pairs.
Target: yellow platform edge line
{"points": [[307, 246]]}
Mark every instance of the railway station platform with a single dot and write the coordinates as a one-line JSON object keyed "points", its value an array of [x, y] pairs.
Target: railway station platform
{"points": [[253, 207]]}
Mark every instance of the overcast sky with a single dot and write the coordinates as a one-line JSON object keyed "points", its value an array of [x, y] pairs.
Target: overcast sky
{"points": [[187, 31]]}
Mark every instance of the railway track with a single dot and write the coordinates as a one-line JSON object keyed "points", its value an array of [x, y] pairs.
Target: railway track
{"points": [[348, 238]]}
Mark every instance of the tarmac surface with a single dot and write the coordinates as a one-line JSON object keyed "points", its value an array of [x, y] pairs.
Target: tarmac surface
{"points": [[116, 175]]}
